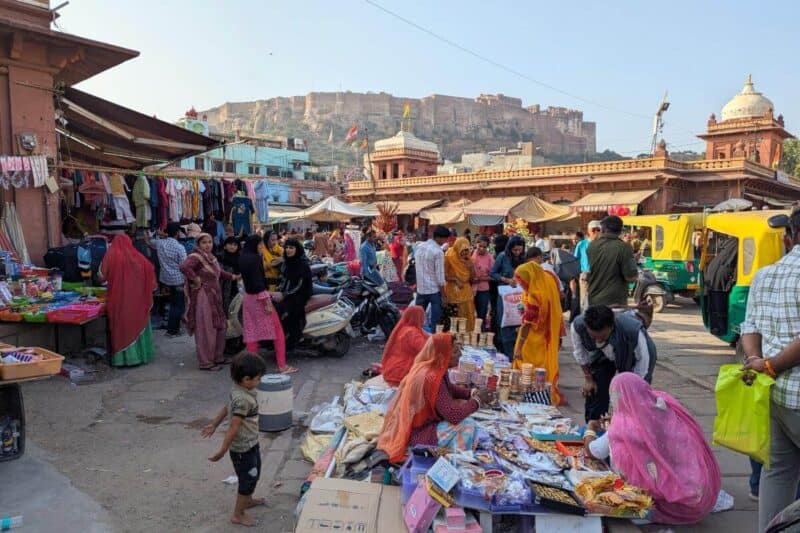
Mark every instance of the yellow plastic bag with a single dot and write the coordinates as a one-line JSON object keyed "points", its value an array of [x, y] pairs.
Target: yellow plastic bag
{"points": [[742, 421]]}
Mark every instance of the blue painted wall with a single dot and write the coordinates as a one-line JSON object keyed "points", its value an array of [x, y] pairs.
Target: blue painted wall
{"points": [[244, 155]]}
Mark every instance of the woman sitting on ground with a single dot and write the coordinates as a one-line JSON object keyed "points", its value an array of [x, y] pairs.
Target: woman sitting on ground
{"points": [[428, 409], [655, 444], [406, 341]]}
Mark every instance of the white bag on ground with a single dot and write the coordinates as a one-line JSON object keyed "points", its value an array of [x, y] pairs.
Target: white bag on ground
{"points": [[328, 418], [511, 296]]}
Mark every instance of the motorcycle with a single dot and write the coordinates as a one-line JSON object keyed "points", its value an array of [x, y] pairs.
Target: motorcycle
{"points": [[648, 289], [373, 306]]}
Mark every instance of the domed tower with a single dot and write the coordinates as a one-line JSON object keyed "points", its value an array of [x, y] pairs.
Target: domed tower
{"points": [[747, 128]]}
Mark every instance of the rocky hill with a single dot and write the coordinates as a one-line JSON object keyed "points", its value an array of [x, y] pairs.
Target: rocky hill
{"points": [[456, 124]]}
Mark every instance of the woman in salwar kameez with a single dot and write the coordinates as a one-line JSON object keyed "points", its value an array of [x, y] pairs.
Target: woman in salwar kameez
{"points": [[205, 317], [131, 281]]}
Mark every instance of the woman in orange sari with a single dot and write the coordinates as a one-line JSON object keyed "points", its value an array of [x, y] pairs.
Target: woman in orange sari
{"points": [[458, 274], [405, 342], [428, 409], [542, 323]]}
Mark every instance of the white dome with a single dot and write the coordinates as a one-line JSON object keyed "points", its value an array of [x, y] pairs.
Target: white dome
{"points": [[406, 139], [747, 103]]}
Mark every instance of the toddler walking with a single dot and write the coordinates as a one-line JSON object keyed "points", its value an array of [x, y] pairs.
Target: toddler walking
{"points": [[242, 435]]}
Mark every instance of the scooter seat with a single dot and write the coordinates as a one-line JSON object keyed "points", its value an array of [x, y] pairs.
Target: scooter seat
{"points": [[318, 301]]}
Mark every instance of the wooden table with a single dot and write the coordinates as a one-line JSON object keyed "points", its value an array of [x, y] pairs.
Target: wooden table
{"points": [[57, 331]]}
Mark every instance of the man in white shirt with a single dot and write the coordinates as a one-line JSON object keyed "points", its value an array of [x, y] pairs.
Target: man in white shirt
{"points": [[429, 265], [604, 343]]}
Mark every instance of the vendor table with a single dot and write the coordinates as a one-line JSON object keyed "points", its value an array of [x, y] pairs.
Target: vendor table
{"points": [[57, 330]]}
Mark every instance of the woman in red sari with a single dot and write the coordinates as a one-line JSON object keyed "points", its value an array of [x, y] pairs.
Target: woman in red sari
{"points": [[428, 409], [131, 282], [405, 342], [205, 318]]}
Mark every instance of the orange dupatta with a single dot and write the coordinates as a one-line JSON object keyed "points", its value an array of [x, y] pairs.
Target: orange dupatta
{"points": [[544, 319], [456, 267], [414, 403], [405, 342]]}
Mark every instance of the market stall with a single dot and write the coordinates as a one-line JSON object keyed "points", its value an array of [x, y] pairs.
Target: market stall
{"points": [[528, 459], [330, 209]]}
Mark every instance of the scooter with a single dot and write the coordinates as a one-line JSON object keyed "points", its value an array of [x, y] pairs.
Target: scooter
{"points": [[647, 288], [328, 329]]}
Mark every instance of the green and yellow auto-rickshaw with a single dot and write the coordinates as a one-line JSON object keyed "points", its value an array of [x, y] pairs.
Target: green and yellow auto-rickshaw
{"points": [[667, 246], [734, 247]]}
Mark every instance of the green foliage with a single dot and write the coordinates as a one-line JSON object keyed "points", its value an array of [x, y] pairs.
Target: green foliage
{"points": [[790, 159]]}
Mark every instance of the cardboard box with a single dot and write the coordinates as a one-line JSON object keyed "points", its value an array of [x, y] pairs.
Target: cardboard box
{"points": [[357, 506], [420, 510], [443, 474]]}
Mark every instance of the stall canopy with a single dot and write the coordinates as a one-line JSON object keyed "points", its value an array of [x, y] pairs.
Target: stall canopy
{"points": [[452, 213], [99, 132], [602, 201], [412, 207], [328, 210], [492, 211], [769, 200]]}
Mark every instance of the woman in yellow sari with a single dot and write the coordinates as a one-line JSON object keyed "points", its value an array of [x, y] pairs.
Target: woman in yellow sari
{"points": [[542, 321], [272, 254], [458, 274]]}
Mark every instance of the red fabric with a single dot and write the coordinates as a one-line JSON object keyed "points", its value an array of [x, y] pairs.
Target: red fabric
{"points": [[163, 204], [131, 282], [405, 342], [397, 247]]}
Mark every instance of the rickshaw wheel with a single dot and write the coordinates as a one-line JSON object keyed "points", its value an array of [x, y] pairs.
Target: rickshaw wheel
{"points": [[657, 301]]}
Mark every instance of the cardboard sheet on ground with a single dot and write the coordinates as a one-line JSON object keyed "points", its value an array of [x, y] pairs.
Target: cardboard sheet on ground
{"points": [[345, 505]]}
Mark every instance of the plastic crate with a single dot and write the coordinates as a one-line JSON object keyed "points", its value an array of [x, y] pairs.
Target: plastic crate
{"points": [[37, 317], [49, 366], [7, 315], [412, 472], [75, 313]]}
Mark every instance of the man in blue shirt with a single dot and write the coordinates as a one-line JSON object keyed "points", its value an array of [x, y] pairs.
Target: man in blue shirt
{"points": [[369, 258], [582, 243]]}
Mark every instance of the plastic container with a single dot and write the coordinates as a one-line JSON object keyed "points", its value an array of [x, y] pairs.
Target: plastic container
{"points": [[413, 471], [75, 313], [9, 315], [10, 522], [51, 365], [38, 316], [275, 401], [568, 502]]}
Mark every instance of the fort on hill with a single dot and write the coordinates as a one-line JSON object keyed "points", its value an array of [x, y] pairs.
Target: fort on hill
{"points": [[456, 124]]}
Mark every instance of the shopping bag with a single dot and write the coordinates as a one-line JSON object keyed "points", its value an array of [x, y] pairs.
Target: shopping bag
{"points": [[511, 296], [742, 421]]}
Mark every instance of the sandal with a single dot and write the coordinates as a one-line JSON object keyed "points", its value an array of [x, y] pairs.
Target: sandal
{"points": [[212, 368], [288, 370]]}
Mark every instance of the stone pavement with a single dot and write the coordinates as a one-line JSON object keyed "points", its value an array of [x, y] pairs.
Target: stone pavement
{"points": [[130, 443]]}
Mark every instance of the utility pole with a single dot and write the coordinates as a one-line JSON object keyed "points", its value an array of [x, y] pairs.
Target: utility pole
{"points": [[658, 123]]}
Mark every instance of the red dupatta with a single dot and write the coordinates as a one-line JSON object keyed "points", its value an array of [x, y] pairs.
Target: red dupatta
{"points": [[131, 282]]}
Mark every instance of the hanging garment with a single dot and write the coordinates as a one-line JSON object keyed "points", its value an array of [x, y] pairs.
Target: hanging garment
{"points": [[201, 196], [208, 209], [216, 195], [141, 199], [241, 210], [13, 230], [195, 194], [39, 169], [163, 204], [175, 200], [154, 203], [123, 209], [229, 188], [262, 200], [117, 185]]}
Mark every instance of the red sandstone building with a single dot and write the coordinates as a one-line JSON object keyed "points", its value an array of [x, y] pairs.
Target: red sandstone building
{"points": [[743, 149]]}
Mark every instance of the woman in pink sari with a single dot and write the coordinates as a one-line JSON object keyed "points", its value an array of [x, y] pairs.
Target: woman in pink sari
{"points": [[349, 248], [656, 444]]}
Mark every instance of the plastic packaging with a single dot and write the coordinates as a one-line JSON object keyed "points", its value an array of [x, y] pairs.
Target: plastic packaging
{"points": [[10, 522], [329, 417]]}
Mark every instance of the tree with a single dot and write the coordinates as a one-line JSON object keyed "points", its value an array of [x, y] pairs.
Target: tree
{"points": [[790, 160]]}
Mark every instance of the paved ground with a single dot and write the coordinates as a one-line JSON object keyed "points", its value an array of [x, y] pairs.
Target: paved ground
{"points": [[125, 454]]}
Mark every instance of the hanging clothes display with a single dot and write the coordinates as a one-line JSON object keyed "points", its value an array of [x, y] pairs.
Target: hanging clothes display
{"points": [[262, 200], [241, 211], [121, 204], [141, 200]]}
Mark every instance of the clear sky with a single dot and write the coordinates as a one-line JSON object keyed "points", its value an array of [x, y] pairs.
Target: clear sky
{"points": [[620, 56]]}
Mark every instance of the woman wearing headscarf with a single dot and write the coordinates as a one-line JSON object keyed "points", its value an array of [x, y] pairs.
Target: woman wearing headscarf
{"points": [[205, 317], [403, 345], [349, 248], [654, 443], [458, 274], [229, 262], [295, 288], [542, 323], [503, 273], [272, 254], [429, 410], [336, 246], [259, 316], [321, 244], [131, 282]]}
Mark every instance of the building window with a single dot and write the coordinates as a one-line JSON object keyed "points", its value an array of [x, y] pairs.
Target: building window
{"points": [[216, 166], [199, 163], [273, 171], [254, 169], [383, 172], [395, 170], [230, 166]]}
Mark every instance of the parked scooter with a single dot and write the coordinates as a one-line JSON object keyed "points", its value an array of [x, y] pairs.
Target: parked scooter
{"points": [[647, 288], [328, 328], [373, 306]]}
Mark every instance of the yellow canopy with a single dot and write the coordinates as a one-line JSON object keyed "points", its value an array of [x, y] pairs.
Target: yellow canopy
{"points": [[601, 201], [529, 208], [452, 213]]}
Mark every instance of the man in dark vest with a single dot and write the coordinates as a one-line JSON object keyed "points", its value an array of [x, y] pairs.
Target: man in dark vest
{"points": [[604, 343]]}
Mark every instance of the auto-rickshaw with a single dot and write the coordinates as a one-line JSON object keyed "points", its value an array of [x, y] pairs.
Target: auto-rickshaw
{"points": [[734, 247], [667, 246]]}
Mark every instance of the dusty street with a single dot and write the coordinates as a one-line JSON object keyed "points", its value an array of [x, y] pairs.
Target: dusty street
{"points": [[125, 453]]}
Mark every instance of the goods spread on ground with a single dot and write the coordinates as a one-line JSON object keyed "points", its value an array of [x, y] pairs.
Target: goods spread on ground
{"points": [[528, 457]]}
